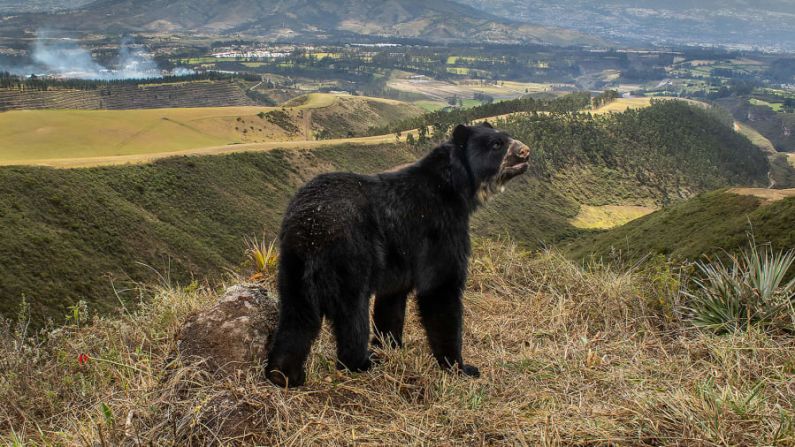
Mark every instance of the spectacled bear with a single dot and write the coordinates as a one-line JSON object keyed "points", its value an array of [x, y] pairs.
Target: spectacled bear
{"points": [[346, 236]]}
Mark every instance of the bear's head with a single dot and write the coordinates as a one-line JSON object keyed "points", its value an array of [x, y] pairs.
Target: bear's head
{"points": [[493, 156]]}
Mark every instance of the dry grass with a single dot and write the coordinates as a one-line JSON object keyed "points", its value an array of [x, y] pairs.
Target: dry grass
{"points": [[623, 104], [767, 195], [608, 216], [755, 137], [569, 356]]}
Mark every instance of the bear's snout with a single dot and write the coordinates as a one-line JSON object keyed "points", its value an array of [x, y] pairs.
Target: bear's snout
{"points": [[515, 161], [520, 150]]}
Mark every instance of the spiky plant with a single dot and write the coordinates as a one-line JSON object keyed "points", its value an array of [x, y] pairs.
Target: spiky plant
{"points": [[263, 256], [747, 289]]}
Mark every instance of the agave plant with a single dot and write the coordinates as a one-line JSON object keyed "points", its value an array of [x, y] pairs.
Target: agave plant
{"points": [[748, 289]]}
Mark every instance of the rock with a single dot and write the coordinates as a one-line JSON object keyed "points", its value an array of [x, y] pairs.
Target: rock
{"points": [[232, 335]]}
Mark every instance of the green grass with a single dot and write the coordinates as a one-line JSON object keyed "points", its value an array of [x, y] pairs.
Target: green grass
{"points": [[430, 106]]}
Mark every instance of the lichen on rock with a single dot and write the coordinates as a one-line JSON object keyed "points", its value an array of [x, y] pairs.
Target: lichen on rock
{"points": [[233, 334]]}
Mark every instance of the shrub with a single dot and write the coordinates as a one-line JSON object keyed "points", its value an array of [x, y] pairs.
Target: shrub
{"points": [[749, 289]]}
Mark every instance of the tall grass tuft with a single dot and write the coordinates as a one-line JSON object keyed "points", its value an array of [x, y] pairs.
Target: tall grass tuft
{"points": [[747, 289]]}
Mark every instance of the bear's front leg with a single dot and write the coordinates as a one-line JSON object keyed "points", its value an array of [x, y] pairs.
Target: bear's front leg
{"points": [[442, 314]]}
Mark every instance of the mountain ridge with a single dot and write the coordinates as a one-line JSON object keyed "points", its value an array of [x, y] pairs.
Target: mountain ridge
{"points": [[734, 23], [436, 20]]}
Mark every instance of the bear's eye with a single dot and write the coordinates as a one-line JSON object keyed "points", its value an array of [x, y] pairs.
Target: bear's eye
{"points": [[496, 145]]}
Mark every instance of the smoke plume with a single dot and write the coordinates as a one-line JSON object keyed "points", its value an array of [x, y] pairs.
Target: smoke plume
{"points": [[65, 58]]}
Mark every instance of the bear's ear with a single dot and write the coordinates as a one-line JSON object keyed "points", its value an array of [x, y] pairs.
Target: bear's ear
{"points": [[487, 124], [461, 135]]}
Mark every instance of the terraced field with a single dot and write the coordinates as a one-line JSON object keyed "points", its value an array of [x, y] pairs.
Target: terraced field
{"points": [[121, 97], [91, 137]]}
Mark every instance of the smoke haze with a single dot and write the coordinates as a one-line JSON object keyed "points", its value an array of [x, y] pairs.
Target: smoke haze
{"points": [[64, 57]]}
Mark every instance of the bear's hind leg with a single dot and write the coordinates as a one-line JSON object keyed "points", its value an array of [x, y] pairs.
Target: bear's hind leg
{"points": [[291, 345], [352, 330], [389, 314], [300, 320]]}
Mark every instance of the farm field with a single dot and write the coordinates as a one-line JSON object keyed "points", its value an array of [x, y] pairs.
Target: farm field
{"points": [[441, 90], [776, 106], [90, 137]]}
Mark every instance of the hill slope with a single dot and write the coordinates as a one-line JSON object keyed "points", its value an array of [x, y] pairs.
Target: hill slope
{"points": [[440, 20], [69, 232], [34, 136], [706, 224]]}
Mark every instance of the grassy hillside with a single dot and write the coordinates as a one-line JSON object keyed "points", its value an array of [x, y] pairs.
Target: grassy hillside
{"points": [[648, 156], [568, 356], [27, 136], [70, 232], [702, 225]]}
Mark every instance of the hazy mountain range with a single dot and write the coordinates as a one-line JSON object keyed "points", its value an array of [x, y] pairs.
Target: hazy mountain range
{"points": [[737, 23], [768, 24], [438, 20]]}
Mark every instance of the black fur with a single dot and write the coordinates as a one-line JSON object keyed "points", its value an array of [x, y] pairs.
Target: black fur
{"points": [[347, 236]]}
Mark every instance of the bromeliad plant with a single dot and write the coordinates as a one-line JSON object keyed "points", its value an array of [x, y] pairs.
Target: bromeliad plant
{"points": [[747, 289], [263, 257]]}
